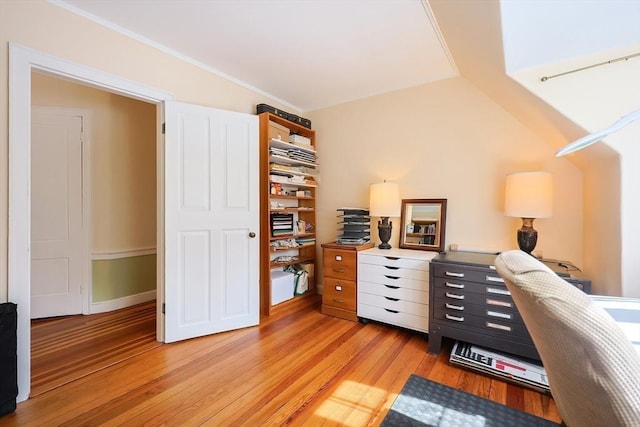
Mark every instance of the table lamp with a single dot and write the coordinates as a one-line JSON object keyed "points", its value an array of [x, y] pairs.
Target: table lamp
{"points": [[528, 196], [384, 201]]}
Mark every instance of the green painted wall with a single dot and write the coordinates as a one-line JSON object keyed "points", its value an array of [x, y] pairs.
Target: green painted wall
{"points": [[123, 277]]}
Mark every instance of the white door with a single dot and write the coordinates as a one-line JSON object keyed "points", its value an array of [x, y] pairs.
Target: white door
{"points": [[211, 221], [56, 213]]}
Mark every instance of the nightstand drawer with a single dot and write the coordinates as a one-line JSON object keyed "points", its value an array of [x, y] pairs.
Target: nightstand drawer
{"points": [[339, 293], [420, 296], [339, 264], [390, 261]]}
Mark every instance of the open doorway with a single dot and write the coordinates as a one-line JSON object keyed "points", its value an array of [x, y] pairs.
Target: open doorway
{"points": [[109, 176]]}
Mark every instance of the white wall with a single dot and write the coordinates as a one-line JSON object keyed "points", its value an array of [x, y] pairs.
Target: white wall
{"points": [[123, 162], [444, 140], [52, 30]]}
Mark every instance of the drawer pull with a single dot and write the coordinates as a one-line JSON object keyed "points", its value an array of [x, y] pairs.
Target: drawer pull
{"points": [[454, 307], [338, 257], [499, 314], [454, 285], [392, 299], [392, 258], [456, 318], [391, 268], [338, 300], [392, 311], [339, 288], [498, 291], [392, 287], [495, 279], [498, 326], [499, 303], [454, 296], [339, 270], [391, 277], [452, 274]]}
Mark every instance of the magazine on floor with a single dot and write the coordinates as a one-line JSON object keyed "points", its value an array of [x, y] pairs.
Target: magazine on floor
{"points": [[506, 366]]}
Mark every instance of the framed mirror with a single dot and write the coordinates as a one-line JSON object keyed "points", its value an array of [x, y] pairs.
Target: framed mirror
{"points": [[422, 224]]}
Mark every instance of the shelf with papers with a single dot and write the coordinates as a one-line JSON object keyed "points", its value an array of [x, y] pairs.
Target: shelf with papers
{"points": [[274, 158], [275, 170], [293, 236], [278, 143], [284, 196]]}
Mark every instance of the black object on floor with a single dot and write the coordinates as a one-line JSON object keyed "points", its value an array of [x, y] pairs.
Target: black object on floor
{"points": [[425, 403], [8, 358]]}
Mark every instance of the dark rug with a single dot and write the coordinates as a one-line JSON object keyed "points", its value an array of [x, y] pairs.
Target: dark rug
{"points": [[425, 403]]}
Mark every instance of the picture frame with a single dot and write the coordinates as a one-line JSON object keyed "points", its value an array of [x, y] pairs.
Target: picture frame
{"points": [[423, 224]]}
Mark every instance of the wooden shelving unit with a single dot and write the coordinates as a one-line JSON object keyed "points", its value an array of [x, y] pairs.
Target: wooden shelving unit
{"points": [[281, 194]]}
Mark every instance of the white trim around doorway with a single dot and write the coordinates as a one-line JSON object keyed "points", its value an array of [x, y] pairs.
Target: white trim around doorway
{"points": [[22, 61]]}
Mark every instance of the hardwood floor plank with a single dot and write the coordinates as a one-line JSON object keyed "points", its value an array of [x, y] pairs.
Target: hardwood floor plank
{"points": [[298, 368]]}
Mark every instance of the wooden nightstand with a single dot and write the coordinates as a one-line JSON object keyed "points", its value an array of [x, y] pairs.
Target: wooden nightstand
{"points": [[339, 278]]}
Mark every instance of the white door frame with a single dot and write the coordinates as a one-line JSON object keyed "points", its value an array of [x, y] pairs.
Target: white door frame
{"points": [[86, 286], [22, 61]]}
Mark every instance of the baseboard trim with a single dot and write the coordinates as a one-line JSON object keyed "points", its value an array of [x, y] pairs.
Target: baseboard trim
{"points": [[118, 303]]}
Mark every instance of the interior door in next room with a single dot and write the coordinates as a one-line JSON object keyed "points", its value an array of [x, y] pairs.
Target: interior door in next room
{"points": [[56, 213]]}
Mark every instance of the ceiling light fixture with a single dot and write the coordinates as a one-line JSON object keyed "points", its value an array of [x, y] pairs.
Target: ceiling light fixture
{"points": [[597, 136]]}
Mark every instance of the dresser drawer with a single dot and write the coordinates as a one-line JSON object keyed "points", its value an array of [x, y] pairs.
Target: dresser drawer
{"points": [[487, 326], [420, 296], [480, 309], [390, 261], [406, 320], [370, 271], [393, 281], [339, 264], [460, 287], [481, 275], [394, 304], [339, 293]]}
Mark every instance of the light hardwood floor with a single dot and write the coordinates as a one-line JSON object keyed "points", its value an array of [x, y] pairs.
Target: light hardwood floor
{"points": [[297, 368]]}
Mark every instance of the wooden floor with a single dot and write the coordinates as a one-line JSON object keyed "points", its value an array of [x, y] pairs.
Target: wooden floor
{"points": [[65, 349], [296, 368]]}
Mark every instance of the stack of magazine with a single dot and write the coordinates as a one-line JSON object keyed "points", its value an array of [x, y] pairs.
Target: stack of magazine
{"points": [[508, 367], [354, 226]]}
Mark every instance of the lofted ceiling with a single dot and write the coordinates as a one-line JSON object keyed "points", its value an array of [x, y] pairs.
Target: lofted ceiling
{"points": [[307, 54], [312, 54]]}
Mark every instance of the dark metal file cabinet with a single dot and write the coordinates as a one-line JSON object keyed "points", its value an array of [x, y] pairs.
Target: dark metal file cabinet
{"points": [[470, 302]]}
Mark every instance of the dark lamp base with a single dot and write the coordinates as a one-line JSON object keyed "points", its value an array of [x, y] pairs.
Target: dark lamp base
{"points": [[384, 232], [527, 236]]}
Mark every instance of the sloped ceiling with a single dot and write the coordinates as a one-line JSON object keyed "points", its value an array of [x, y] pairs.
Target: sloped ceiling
{"points": [[308, 54], [311, 54]]}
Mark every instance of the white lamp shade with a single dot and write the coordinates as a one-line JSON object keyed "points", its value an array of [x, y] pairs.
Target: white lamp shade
{"points": [[529, 195], [384, 199]]}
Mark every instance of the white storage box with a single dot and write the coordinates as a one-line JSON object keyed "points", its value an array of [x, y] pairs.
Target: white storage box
{"points": [[299, 139], [281, 286]]}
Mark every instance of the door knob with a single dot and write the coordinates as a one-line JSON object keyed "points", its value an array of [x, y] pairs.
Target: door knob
{"points": [[252, 234]]}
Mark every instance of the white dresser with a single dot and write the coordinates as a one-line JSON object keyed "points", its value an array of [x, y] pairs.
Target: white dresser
{"points": [[393, 287]]}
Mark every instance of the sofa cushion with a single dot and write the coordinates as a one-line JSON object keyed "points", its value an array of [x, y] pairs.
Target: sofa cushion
{"points": [[592, 367]]}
